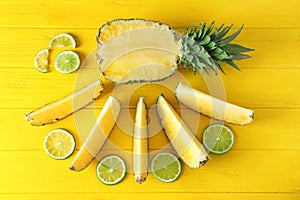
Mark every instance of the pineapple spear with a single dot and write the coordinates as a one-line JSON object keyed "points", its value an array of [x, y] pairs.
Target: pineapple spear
{"points": [[140, 143]]}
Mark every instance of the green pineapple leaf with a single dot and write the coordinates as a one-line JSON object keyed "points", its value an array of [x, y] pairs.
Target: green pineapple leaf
{"points": [[231, 37], [205, 47], [236, 49], [239, 57], [231, 63]]}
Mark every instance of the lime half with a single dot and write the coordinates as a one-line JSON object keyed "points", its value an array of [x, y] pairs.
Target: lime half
{"points": [[67, 62], [59, 144], [218, 138], [41, 60], [165, 167], [111, 170], [63, 40]]}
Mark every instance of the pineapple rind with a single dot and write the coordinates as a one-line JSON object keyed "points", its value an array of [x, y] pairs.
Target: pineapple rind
{"points": [[122, 26], [187, 146], [212, 106]]}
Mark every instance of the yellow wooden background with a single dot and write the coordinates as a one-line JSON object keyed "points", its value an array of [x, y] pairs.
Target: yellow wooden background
{"points": [[265, 160]]}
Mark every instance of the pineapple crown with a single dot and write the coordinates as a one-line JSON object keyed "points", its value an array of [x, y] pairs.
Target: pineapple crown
{"points": [[205, 47]]}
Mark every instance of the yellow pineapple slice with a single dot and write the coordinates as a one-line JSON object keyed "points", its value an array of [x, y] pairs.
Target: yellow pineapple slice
{"points": [[98, 135], [137, 51], [64, 107], [187, 146], [140, 143], [213, 107]]}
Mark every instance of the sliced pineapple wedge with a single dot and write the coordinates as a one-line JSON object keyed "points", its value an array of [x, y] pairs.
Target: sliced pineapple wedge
{"points": [[98, 135], [187, 146], [64, 107], [213, 107], [140, 143], [137, 51]]}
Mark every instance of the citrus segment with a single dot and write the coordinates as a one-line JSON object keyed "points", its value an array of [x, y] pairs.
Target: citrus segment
{"points": [[165, 167], [62, 40], [59, 144], [41, 60], [218, 138], [67, 62], [111, 170]]}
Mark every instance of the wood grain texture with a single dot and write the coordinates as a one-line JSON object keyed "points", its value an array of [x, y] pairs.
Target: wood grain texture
{"points": [[262, 134], [284, 53], [220, 174], [94, 13], [150, 196], [264, 163], [38, 89]]}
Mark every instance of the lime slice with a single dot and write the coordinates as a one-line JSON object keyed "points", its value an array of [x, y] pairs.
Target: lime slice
{"points": [[67, 62], [59, 144], [41, 60], [218, 138], [111, 170], [63, 40], [165, 167]]}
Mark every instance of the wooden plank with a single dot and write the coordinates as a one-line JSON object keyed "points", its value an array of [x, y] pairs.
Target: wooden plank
{"points": [[29, 89], [268, 44], [264, 163], [151, 196], [50, 14], [242, 171], [272, 129]]}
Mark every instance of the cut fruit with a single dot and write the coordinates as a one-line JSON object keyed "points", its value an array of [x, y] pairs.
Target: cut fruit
{"points": [[111, 170], [137, 51], [59, 144], [64, 107], [63, 40], [165, 167], [67, 62], [213, 107], [98, 135], [140, 143], [41, 60], [218, 138], [187, 146]]}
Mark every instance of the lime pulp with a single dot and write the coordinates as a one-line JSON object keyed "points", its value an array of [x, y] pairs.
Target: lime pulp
{"points": [[63, 40], [111, 170], [59, 144], [218, 138], [165, 167], [67, 62]]}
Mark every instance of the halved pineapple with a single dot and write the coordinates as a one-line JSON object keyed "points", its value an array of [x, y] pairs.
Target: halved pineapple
{"points": [[98, 135], [187, 146], [213, 107], [140, 143], [57, 110], [137, 50]]}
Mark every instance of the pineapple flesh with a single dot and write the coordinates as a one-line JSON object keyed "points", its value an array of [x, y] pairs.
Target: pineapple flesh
{"points": [[138, 50], [213, 107], [64, 107], [186, 144], [98, 135], [140, 143]]}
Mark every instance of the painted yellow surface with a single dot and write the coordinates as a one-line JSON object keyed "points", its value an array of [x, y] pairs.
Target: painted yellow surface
{"points": [[265, 160]]}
